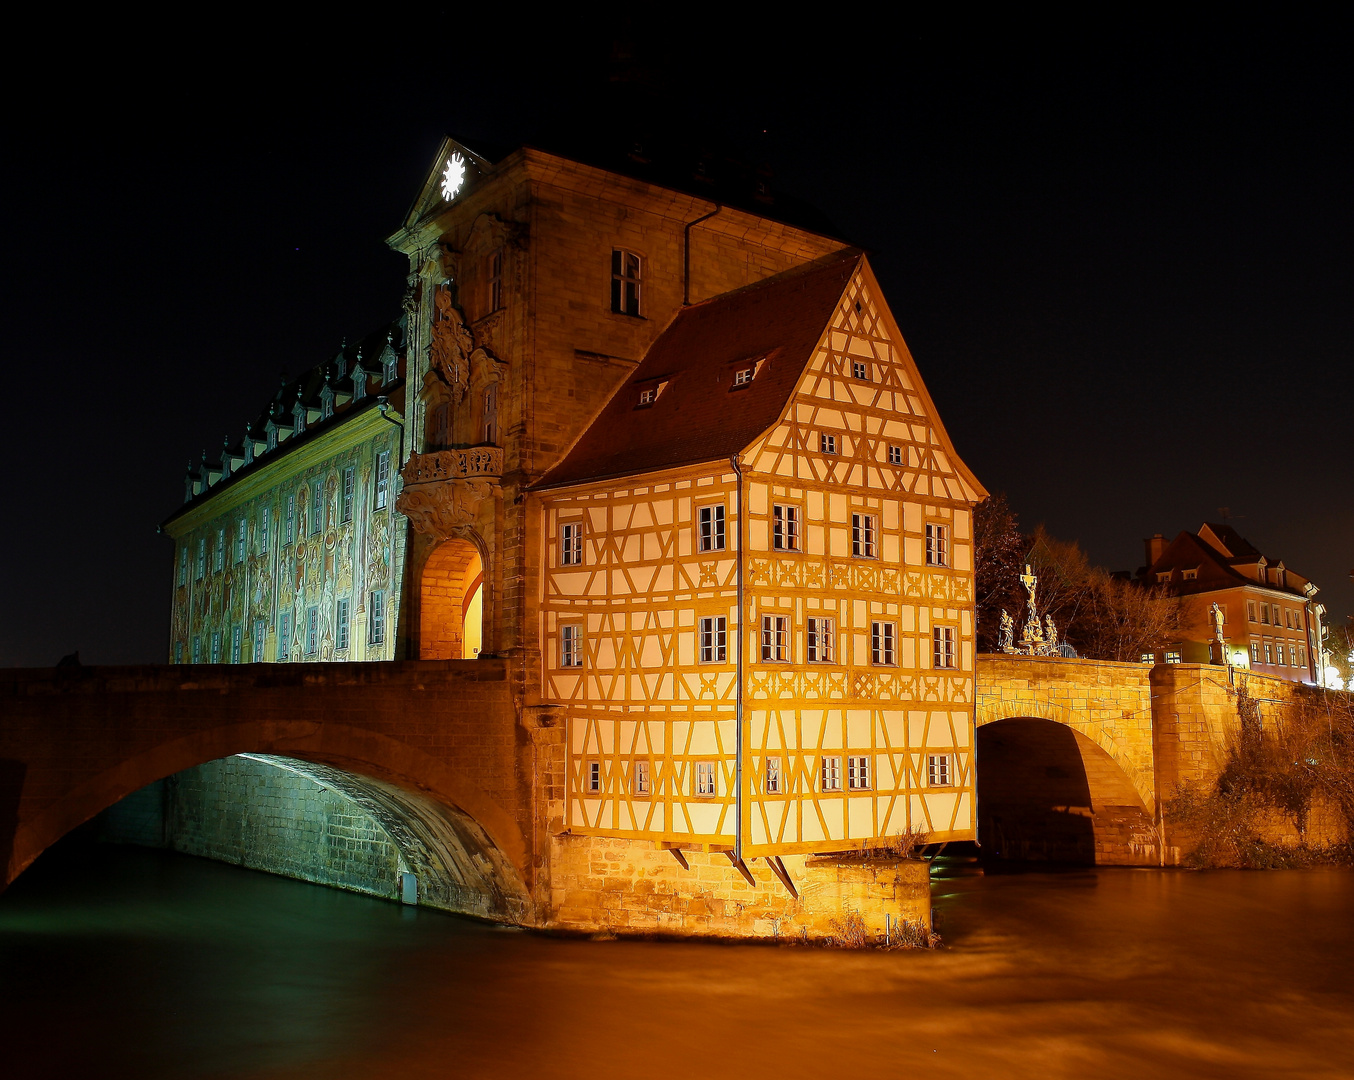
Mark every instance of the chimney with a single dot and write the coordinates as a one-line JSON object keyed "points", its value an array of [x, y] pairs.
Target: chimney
{"points": [[1155, 547]]}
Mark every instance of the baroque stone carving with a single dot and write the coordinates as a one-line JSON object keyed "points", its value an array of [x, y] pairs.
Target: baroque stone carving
{"points": [[439, 509], [452, 344]]}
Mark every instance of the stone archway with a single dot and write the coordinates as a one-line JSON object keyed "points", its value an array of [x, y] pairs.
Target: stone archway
{"points": [[325, 825], [451, 602], [1048, 792]]}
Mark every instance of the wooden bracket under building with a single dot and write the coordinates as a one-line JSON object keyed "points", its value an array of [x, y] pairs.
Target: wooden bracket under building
{"points": [[778, 868], [676, 854], [742, 867]]}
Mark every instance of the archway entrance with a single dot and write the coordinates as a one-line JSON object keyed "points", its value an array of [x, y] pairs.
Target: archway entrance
{"points": [[1047, 793], [451, 613]]}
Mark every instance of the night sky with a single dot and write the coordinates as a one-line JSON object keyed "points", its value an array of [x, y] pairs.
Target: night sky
{"points": [[1122, 255]]}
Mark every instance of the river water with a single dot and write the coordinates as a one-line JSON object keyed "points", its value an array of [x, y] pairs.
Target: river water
{"points": [[130, 962]]}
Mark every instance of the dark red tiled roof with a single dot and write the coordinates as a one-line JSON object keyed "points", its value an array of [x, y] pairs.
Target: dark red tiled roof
{"points": [[698, 417]]}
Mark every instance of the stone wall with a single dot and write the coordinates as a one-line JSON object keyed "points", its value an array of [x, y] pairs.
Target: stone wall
{"points": [[243, 811], [620, 886]]}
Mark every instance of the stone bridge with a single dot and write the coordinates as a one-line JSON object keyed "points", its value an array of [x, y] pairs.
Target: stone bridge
{"points": [[441, 745], [1073, 760]]}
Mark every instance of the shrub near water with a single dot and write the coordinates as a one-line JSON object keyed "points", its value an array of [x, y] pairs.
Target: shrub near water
{"points": [[1304, 756]]}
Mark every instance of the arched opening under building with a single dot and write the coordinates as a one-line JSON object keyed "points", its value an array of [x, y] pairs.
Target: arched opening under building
{"points": [[316, 823], [1047, 793], [451, 602]]}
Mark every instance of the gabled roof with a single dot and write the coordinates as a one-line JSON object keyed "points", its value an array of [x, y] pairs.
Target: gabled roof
{"points": [[698, 418], [1228, 541], [1215, 551]]}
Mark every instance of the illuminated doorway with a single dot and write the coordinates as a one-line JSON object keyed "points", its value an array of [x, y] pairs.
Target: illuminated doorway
{"points": [[451, 619]]}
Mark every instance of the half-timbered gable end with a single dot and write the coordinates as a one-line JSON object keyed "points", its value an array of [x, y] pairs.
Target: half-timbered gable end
{"points": [[784, 429]]}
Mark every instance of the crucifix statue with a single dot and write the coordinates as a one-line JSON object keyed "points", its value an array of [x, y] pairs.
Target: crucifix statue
{"points": [[1033, 633]]}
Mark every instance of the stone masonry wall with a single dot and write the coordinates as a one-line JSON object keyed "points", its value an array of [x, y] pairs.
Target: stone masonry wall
{"points": [[252, 814], [621, 886]]}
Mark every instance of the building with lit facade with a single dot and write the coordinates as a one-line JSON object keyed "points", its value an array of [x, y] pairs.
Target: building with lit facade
{"points": [[1271, 622], [658, 441]]}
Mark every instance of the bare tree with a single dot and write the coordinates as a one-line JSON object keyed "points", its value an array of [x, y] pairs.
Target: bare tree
{"points": [[999, 552]]}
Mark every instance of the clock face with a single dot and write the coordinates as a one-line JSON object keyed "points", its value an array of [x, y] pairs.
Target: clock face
{"points": [[453, 177]]}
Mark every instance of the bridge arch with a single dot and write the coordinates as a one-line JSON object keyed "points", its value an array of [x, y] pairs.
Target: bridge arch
{"points": [[471, 852], [1060, 791]]}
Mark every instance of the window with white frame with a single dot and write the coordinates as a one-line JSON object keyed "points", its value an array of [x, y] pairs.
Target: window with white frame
{"points": [[1148, 658], [183, 565], [626, 282], [820, 641], [785, 527], [771, 776], [1255, 652], [706, 779], [571, 645], [236, 644], [265, 530], [860, 370], [711, 524], [316, 506], [858, 772], [827, 444], [863, 536], [342, 618], [937, 544], [346, 499], [882, 643], [219, 555], [312, 630], [895, 455], [1264, 614], [260, 637], [1302, 655], [830, 774], [1172, 656], [744, 375], [775, 638], [593, 776], [376, 618], [939, 770], [1250, 611], [639, 778], [197, 649], [942, 647], [571, 544], [216, 646], [1189, 575], [178, 652], [289, 520], [712, 634], [1278, 653], [382, 480], [1269, 651], [1297, 620], [200, 569], [241, 530], [284, 635]]}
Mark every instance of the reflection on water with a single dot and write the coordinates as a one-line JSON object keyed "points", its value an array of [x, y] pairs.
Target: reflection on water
{"points": [[117, 961]]}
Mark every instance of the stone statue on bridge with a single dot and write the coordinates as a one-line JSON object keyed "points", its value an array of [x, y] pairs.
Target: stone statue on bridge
{"points": [[1007, 632], [1038, 638]]}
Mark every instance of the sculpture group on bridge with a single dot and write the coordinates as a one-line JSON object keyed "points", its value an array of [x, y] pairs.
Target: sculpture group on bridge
{"points": [[1037, 638]]}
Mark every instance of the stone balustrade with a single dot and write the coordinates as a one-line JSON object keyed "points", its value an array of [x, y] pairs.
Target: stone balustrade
{"points": [[476, 461]]}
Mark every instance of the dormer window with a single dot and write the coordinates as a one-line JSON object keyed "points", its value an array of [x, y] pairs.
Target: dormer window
{"points": [[359, 382], [651, 392], [1164, 576], [390, 364], [1189, 575], [298, 414], [270, 435], [249, 445], [326, 401], [745, 371]]}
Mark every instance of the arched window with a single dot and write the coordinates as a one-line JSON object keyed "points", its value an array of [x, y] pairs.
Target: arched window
{"points": [[490, 426]]}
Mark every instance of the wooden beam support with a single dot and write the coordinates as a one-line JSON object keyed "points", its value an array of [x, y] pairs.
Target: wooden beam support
{"points": [[742, 867], [676, 854], [778, 868]]}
